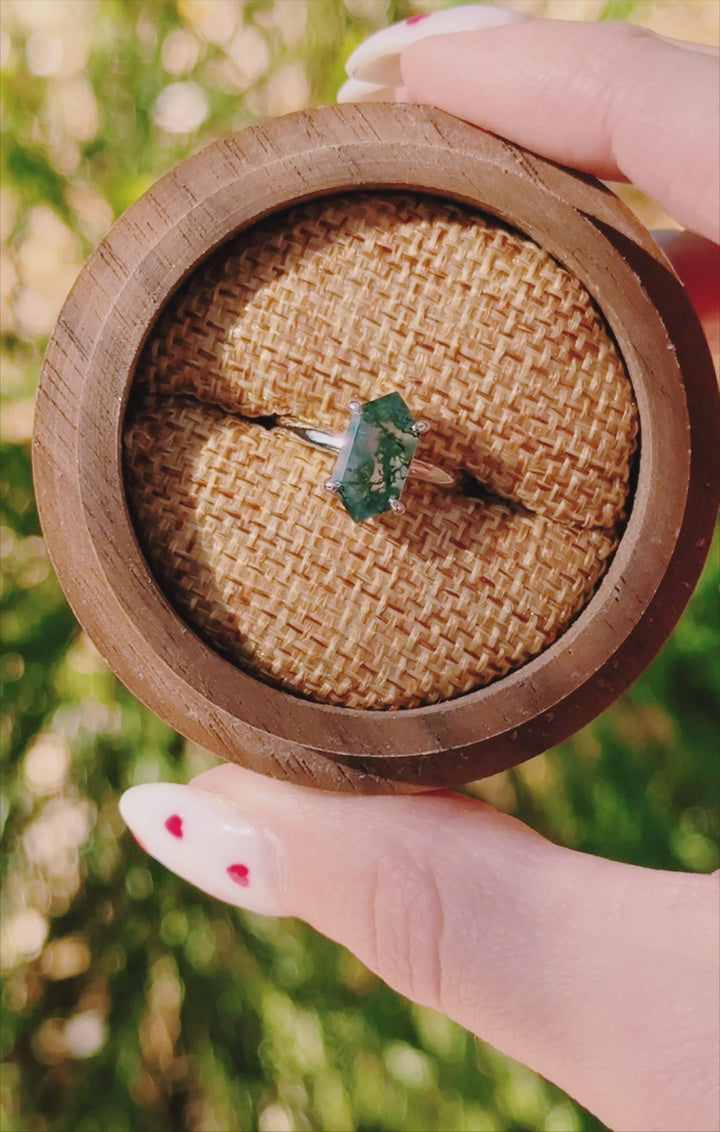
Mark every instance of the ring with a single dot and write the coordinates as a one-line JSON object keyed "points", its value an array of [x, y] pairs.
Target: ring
{"points": [[375, 457]]}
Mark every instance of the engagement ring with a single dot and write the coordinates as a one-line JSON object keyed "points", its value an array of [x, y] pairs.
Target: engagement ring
{"points": [[375, 457]]}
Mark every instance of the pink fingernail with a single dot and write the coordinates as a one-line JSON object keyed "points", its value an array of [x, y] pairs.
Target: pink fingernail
{"points": [[377, 60], [209, 842]]}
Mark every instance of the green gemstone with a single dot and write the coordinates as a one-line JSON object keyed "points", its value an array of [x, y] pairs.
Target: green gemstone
{"points": [[375, 460]]}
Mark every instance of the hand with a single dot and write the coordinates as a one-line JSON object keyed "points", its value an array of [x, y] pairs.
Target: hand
{"points": [[601, 976]]}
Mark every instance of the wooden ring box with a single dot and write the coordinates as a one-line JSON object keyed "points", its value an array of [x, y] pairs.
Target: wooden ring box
{"points": [[83, 395]]}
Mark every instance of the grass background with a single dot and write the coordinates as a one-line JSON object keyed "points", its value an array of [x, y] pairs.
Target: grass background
{"points": [[130, 1001]]}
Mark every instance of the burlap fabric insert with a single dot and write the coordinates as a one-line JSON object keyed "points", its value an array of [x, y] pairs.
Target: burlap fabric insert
{"points": [[486, 337]]}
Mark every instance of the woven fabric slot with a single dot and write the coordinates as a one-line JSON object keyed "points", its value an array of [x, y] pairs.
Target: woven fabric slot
{"points": [[486, 337]]}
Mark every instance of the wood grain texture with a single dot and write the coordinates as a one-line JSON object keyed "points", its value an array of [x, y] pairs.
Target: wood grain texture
{"points": [[89, 368]]}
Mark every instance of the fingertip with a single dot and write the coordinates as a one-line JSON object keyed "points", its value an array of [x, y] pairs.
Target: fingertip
{"points": [[205, 838], [610, 99], [534, 83]]}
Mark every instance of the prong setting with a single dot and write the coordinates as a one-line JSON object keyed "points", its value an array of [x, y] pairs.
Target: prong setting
{"points": [[374, 456]]}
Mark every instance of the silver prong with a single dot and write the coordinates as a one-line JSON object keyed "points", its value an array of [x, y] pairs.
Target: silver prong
{"points": [[420, 428], [331, 486], [397, 506], [355, 407]]}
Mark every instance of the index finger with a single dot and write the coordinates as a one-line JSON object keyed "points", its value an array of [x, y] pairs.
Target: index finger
{"points": [[609, 99]]}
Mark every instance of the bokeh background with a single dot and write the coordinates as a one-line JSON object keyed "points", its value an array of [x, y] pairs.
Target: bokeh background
{"points": [[129, 1000]]}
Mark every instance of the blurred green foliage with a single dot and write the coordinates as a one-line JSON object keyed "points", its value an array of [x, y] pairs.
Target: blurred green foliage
{"points": [[130, 1000]]}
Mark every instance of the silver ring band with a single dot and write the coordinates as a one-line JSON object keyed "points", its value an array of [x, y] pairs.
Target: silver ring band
{"points": [[334, 442]]}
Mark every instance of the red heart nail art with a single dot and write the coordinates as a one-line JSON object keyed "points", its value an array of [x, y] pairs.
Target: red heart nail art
{"points": [[174, 825], [240, 874]]}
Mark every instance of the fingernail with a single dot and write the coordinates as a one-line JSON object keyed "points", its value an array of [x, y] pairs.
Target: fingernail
{"points": [[377, 60], [209, 843], [356, 91]]}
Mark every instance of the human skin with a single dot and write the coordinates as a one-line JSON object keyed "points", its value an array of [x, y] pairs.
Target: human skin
{"points": [[599, 975], [609, 99]]}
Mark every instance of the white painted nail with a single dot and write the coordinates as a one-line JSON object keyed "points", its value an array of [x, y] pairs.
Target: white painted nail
{"points": [[209, 842], [355, 91], [377, 60]]}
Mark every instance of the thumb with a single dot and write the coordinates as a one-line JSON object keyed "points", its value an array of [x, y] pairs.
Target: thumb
{"points": [[597, 975]]}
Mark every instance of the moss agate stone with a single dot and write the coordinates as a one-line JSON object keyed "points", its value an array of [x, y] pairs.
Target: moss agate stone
{"points": [[375, 460]]}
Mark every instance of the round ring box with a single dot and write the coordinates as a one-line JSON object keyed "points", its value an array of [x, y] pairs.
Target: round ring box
{"points": [[244, 184]]}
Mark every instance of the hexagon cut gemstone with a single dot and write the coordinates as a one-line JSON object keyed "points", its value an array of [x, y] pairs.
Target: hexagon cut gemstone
{"points": [[375, 460]]}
